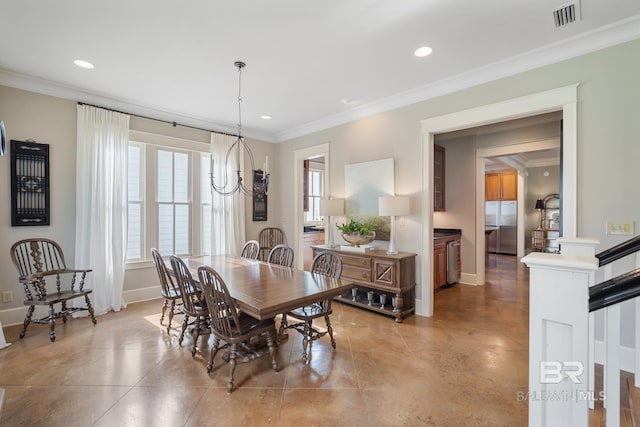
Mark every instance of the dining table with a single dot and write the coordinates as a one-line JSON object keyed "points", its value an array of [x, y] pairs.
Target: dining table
{"points": [[264, 290]]}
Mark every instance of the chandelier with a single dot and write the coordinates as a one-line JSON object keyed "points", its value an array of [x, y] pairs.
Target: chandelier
{"points": [[239, 148]]}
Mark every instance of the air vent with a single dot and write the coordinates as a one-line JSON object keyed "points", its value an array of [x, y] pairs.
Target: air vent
{"points": [[566, 14]]}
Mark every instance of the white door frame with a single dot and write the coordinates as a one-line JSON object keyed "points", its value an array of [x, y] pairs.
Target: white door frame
{"points": [[565, 99], [298, 209]]}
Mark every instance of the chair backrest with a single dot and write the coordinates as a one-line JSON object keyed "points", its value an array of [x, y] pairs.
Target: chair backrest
{"points": [[281, 255], [166, 282], [268, 238], [190, 296], [328, 264], [222, 308], [36, 256], [251, 249]]}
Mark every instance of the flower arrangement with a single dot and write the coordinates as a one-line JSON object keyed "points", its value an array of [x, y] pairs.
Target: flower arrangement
{"points": [[356, 227], [357, 233]]}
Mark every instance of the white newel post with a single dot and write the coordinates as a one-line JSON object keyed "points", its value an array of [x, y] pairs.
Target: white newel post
{"points": [[559, 392]]}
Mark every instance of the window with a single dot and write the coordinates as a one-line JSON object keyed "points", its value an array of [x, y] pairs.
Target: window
{"points": [[315, 194], [169, 201], [135, 188], [173, 198]]}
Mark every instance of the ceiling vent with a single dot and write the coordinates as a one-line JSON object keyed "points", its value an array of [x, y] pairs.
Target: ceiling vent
{"points": [[566, 14]]}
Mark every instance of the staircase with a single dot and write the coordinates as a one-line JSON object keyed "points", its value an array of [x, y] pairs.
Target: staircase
{"points": [[567, 387]]}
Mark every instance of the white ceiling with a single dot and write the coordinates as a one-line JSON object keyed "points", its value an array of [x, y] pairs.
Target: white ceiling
{"points": [[174, 60]]}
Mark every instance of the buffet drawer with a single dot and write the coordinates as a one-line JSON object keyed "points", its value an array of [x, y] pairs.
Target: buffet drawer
{"points": [[355, 261], [355, 273]]}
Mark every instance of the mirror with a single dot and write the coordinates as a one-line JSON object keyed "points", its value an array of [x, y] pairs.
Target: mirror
{"points": [[364, 183]]}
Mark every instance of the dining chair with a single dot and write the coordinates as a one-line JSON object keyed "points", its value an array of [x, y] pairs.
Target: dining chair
{"points": [[193, 304], [281, 255], [237, 329], [169, 290], [327, 264], [40, 264], [251, 249], [268, 238]]}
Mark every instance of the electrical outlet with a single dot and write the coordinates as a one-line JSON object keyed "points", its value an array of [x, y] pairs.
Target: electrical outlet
{"points": [[7, 296], [620, 227]]}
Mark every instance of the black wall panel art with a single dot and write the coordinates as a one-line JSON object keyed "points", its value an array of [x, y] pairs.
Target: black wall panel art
{"points": [[30, 200]]}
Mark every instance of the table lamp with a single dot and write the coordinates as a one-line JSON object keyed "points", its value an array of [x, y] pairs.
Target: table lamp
{"points": [[393, 206], [329, 208]]}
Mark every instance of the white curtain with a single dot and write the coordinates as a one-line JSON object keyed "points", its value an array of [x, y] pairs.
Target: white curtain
{"points": [[101, 203], [227, 216]]}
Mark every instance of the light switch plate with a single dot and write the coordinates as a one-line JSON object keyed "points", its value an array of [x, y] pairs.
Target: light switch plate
{"points": [[620, 227]]}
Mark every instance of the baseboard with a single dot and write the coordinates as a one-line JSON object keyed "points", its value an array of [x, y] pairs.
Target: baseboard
{"points": [[627, 356], [15, 316], [469, 279]]}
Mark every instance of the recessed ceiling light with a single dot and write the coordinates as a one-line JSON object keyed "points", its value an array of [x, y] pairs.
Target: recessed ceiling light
{"points": [[266, 117], [423, 51], [84, 64], [348, 101]]}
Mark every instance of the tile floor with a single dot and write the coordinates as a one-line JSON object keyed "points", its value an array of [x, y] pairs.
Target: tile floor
{"points": [[463, 366]]}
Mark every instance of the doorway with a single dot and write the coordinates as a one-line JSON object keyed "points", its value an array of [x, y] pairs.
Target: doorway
{"points": [[298, 214], [564, 99]]}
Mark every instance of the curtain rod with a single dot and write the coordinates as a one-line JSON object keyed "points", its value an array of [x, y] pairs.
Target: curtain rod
{"points": [[174, 124]]}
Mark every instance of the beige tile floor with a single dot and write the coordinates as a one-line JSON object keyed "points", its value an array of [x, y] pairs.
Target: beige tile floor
{"points": [[463, 366]]}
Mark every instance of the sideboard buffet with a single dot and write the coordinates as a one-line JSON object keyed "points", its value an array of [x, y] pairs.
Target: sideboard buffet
{"points": [[382, 283]]}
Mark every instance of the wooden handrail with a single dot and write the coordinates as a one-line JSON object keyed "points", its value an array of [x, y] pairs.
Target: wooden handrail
{"points": [[621, 288], [619, 251]]}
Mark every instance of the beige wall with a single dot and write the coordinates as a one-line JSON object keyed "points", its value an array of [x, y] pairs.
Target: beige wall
{"points": [[52, 120], [608, 133]]}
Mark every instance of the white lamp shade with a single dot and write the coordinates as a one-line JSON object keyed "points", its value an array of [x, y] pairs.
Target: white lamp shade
{"points": [[331, 207], [393, 205]]}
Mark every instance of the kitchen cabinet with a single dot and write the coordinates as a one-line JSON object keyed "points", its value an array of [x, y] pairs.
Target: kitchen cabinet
{"points": [[441, 259], [438, 178], [311, 238], [501, 186], [393, 276]]}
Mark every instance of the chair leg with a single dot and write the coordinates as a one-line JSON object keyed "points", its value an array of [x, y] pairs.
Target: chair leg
{"points": [[214, 351], [196, 334], [232, 367], [164, 308], [330, 330], [27, 320], [52, 323], [90, 309], [171, 311], [272, 350], [306, 342], [283, 326], [184, 328], [64, 312]]}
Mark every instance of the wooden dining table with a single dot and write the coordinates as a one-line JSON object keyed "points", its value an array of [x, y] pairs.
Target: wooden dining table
{"points": [[265, 290]]}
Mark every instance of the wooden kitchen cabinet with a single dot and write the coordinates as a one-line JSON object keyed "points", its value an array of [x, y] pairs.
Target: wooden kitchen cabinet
{"points": [[311, 239], [439, 263], [393, 276], [438, 178], [501, 186]]}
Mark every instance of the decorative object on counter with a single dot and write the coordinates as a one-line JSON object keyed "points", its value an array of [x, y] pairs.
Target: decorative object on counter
{"points": [[393, 206], [354, 293], [240, 147], [394, 304], [329, 208], [540, 207], [30, 197], [357, 233], [383, 300], [370, 298]]}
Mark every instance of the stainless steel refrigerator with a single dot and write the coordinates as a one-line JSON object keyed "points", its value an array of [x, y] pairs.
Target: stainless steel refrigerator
{"points": [[504, 216]]}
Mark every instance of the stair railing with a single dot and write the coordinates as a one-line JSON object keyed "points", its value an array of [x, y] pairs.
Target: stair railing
{"points": [[563, 297]]}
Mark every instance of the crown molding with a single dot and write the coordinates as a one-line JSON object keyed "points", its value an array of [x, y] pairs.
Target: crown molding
{"points": [[619, 32], [47, 87]]}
